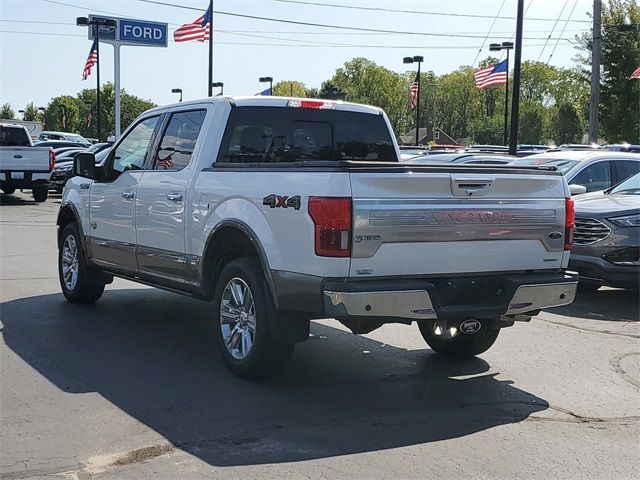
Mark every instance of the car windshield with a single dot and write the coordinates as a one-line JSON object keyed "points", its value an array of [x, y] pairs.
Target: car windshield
{"points": [[98, 147], [562, 164], [101, 155], [631, 186], [77, 138]]}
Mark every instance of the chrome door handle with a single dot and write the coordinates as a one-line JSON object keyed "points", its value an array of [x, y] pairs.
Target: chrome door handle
{"points": [[127, 195], [174, 197]]}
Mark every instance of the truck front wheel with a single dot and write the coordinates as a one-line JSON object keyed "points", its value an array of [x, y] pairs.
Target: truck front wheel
{"points": [[80, 283], [241, 322], [466, 339]]}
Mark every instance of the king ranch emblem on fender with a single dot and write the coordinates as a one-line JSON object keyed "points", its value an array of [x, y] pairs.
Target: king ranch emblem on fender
{"points": [[282, 201]]}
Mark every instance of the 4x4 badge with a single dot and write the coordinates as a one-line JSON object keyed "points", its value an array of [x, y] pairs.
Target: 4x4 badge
{"points": [[282, 201]]}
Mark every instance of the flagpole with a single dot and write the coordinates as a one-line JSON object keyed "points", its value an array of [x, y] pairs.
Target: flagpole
{"points": [[418, 107], [210, 86], [98, 81], [506, 103]]}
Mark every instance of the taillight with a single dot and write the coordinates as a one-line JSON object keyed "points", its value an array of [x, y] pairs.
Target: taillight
{"points": [[569, 222], [52, 159], [332, 219]]}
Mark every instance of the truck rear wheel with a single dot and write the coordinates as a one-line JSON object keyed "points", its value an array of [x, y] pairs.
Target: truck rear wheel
{"points": [[241, 322], [80, 283], [41, 193], [458, 341]]}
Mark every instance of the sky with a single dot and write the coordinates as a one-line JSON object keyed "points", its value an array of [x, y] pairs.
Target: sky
{"points": [[48, 61]]}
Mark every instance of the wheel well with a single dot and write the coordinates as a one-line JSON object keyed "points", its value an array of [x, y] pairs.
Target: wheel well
{"points": [[65, 217], [225, 245]]}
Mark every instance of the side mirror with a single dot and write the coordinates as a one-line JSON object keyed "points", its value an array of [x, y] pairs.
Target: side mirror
{"points": [[84, 165], [577, 189]]}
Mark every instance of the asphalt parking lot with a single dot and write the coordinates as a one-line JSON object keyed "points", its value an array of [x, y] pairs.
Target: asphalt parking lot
{"points": [[133, 387]]}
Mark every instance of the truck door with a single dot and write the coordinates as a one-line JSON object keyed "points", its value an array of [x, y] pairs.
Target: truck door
{"points": [[161, 199], [112, 235]]}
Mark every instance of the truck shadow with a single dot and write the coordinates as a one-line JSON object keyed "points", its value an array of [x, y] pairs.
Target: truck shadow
{"points": [[152, 355], [606, 304]]}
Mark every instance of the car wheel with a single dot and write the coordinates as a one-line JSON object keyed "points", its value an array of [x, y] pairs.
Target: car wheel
{"points": [[80, 283], [458, 341], [40, 194], [241, 323]]}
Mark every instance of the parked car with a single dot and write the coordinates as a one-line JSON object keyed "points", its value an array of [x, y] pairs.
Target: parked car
{"points": [[410, 151], [588, 171], [285, 210], [623, 147], [70, 154], [63, 170], [466, 157], [58, 144], [71, 137], [21, 164], [607, 237], [580, 146]]}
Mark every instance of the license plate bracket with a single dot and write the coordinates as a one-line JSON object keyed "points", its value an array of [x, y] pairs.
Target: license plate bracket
{"points": [[17, 175]]}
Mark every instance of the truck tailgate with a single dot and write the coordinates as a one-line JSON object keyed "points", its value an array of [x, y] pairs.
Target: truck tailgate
{"points": [[456, 220], [24, 159]]}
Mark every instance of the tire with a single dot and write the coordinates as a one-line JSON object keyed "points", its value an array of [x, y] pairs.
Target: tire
{"points": [[89, 281], [460, 345], [8, 191], [40, 194], [245, 325], [58, 189]]}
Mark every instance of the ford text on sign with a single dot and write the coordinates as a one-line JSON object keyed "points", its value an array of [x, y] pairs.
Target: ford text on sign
{"points": [[136, 32]]}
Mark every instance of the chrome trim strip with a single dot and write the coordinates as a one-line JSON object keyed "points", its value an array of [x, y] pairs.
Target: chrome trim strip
{"points": [[413, 304]]}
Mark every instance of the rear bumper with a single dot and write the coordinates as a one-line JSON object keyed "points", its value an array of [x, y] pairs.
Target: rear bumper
{"points": [[30, 178], [450, 299]]}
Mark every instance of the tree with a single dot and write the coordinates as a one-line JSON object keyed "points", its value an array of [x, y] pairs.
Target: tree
{"points": [[31, 113], [564, 124], [330, 91], [289, 88], [63, 114], [530, 126], [619, 96], [7, 112]]}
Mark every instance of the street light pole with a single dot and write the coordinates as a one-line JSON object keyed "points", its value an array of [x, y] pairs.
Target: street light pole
{"points": [[177, 90], [416, 59], [494, 47], [267, 80], [515, 108], [219, 85]]}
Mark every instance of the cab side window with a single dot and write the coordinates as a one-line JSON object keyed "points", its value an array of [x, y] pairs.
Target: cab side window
{"points": [[596, 176], [626, 169], [132, 150], [179, 140]]}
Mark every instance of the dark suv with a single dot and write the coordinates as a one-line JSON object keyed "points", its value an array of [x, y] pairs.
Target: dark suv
{"points": [[606, 242]]}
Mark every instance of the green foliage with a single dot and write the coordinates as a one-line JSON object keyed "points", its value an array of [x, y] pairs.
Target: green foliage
{"points": [[289, 88], [564, 124], [32, 114], [532, 117], [619, 96], [78, 114], [330, 92], [7, 112]]}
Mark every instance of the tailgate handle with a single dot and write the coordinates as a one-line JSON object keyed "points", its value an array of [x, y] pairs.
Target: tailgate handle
{"points": [[17, 156], [471, 186]]}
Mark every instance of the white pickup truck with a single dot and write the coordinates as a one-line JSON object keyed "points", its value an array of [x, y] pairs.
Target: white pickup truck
{"points": [[284, 210], [21, 164]]}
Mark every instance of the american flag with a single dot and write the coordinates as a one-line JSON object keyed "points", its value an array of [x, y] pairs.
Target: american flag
{"points": [[413, 93], [635, 75], [197, 30], [92, 59], [165, 163], [264, 92], [491, 75]]}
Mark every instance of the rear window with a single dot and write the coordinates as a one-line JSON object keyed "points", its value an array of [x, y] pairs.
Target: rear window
{"points": [[14, 137], [276, 134]]}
